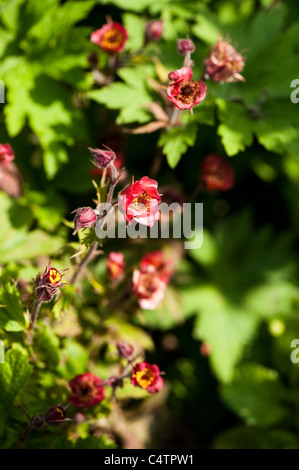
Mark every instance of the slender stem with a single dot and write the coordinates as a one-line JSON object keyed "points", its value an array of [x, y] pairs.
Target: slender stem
{"points": [[36, 306], [90, 254], [174, 117]]}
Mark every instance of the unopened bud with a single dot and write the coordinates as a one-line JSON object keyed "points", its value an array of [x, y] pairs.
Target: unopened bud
{"points": [[125, 349], [102, 158], [185, 46], [85, 217], [154, 30]]}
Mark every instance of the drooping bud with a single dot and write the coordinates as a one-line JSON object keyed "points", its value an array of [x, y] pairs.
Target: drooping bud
{"points": [[154, 30], [55, 415], [45, 293], [125, 349], [85, 217], [37, 422], [102, 158], [185, 46]]}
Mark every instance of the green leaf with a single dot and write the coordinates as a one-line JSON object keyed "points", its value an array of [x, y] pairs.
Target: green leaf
{"points": [[236, 128], [255, 394], [74, 358], [47, 346], [135, 27], [167, 315], [12, 317], [176, 141], [14, 373]]}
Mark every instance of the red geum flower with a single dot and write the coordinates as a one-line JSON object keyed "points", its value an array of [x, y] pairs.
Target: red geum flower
{"points": [[157, 264], [6, 155], [115, 265], [149, 288], [185, 46], [217, 174], [48, 283], [87, 390], [147, 376], [184, 92], [140, 201], [154, 30], [224, 63], [85, 217], [112, 37]]}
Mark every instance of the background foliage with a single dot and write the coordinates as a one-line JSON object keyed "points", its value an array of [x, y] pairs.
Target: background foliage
{"points": [[238, 293]]}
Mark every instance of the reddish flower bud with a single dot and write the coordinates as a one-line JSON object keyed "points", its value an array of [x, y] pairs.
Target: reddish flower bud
{"points": [[115, 265], [45, 293], [184, 92], [87, 390], [112, 37], [147, 376], [102, 158], [114, 381], [55, 415], [217, 174], [157, 264], [6, 155], [224, 63], [85, 217], [205, 349], [125, 349], [185, 46], [154, 30], [140, 201], [149, 288]]}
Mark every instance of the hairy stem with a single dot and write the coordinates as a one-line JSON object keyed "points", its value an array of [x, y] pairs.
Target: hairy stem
{"points": [[36, 306]]}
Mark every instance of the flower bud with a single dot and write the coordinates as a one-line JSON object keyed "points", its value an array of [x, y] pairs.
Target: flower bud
{"points": [[55, 415], [115, 265], [217, 174], [102, 158], [125, 349], [185, 46], [37, 422], [45, 293], [154, 30], [85, 217]]}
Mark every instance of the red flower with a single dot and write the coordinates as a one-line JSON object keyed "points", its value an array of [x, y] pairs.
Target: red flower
{"points": [[224, 63], [149, 288], [6, 155], [112, 37], [159, 265], [147, 376], [217, 173], [115, 265], [87, 390], [140, 201], [154, 30], [184, 92], [85, 217]]}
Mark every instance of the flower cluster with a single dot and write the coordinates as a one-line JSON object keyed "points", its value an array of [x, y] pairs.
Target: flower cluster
{"points": [[150, 281]]}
